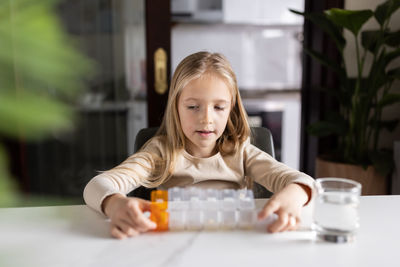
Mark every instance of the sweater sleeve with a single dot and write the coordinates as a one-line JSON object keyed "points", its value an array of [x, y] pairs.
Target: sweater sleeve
{"points": [[121, 179], [269, 172]]}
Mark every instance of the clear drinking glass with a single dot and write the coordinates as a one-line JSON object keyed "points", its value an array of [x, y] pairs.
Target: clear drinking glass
{"points": [[336, 217]]}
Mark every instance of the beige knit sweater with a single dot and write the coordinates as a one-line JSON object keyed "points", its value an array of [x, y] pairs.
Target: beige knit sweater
{"points": [[216, 171]]}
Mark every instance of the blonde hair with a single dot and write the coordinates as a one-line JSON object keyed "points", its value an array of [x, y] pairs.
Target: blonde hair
{"points": [[172, 137]]}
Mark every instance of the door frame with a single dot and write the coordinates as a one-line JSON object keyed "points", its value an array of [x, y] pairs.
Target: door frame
{"points": [[158, 35], [315, 104]]}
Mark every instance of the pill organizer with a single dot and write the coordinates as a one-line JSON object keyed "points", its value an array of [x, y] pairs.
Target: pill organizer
{"points": [[193, 208]]}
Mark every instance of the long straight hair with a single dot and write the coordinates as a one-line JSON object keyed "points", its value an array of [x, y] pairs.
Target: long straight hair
{"points": [[170, 132]]}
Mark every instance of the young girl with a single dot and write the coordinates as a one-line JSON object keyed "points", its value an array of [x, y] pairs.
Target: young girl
{"points": [[203, 141]]}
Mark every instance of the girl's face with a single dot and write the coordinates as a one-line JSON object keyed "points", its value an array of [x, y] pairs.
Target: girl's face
{"points": [[204, 106]]}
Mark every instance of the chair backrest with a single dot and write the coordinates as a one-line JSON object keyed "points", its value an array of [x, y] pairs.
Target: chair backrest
{"points": [[261, 138]]}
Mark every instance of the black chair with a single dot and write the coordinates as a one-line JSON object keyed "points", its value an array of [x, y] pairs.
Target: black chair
{"points": [[261, 138]]}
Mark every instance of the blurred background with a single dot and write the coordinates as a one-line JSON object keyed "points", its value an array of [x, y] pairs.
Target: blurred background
{"points": [[261, 38]]}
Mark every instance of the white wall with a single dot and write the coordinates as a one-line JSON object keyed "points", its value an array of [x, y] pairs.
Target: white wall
{"points": [[262, 11], [262, 57], [391, 112]]}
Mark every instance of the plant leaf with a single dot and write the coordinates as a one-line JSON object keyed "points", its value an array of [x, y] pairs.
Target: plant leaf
{"points": [[352, 20], [49, 62], [393, 39], [384, 11], [8, 188], [327, 26], [322, 128], [391, 56], [369, 39], [377, 76], [334, 124], [389, 99], [389, 125], [394, 73], [324, 60], [32, 116], [346, 93]]}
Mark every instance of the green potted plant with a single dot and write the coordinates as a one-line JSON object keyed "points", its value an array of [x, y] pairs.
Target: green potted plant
{"points": [[358, 122], [41, 74]]}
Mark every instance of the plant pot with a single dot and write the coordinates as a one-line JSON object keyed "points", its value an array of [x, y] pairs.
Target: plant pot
{"points": [[372, 182]]}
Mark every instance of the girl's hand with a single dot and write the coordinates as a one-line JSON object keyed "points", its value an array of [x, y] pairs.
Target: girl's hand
{"points": [[287, 204], [126, 214]]}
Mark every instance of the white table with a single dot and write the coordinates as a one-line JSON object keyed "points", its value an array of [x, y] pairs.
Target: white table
{"points": [[78, 236]]}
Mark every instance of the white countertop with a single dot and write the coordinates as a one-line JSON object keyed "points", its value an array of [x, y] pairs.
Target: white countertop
{"points": [[79, 236]]}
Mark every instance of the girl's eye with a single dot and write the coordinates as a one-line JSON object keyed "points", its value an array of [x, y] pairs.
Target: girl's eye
{"points": [[193, 107], [219, 108]]}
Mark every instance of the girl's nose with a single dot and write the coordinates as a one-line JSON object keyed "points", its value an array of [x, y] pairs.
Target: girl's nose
{"points": [[206, 116]]}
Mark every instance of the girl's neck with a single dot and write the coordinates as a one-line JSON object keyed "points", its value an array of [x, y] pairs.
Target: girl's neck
{"points": [[198, 153]]}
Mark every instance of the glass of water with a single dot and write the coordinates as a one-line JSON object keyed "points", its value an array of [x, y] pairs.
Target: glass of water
{"points": [[336, 217]]}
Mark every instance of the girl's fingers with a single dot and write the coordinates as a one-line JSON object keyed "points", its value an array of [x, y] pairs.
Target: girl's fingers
{"points": [[139, 226], [130, 220], [127, 228], [269, 208], [117, 233], [145, 205], [294, 223], [141, 222], [145, 223], [280, 224], [291, 224]]}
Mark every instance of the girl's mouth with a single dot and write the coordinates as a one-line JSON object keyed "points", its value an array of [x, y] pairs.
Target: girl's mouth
{"points": [[205, 133]]}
